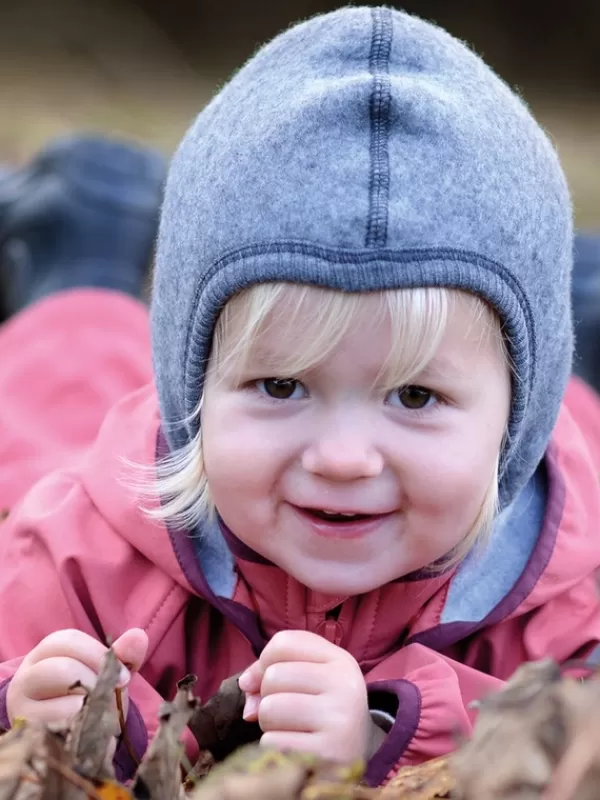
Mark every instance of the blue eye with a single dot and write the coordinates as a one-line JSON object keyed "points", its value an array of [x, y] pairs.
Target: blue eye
{"points": [[413, 398], [281, 388]]}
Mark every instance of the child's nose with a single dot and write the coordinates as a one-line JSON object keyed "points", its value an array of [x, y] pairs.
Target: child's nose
{"points": [[343, 458]]}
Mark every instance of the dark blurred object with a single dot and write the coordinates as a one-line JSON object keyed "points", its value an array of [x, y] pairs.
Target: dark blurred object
{"points": [[586, 307], [525, 41], [82, 213]]}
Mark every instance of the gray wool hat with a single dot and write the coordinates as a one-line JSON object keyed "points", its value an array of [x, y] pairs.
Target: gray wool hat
{"points": [[367, 149]]}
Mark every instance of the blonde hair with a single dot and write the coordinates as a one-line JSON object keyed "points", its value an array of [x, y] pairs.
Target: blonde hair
{"points": [[418, 319]]}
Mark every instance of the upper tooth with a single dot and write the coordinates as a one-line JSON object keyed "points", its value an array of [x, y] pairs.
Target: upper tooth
{"points": [[340, 513]]}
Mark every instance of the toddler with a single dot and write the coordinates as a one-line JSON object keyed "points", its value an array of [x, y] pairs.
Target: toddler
{"points": [[354, 476]]}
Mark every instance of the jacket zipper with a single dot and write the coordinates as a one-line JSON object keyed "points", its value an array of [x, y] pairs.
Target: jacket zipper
{"points": [[330, 628]]}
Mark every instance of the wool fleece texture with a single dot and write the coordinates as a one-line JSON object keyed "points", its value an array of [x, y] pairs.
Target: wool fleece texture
{"points": [[367, 149]]}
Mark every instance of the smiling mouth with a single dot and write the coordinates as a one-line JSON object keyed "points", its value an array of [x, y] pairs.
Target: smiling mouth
{"points": [[335, 516]]}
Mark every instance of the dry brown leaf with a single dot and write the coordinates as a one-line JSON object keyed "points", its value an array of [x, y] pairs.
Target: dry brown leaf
{"points": [[91, 741], [34, 766], [538, 737], [283, 782], [60, 780], [218, 724], [253, 773], [204, 764], [577, 773], [159, 775], [516, 740], [17, 748], [530, 682], [425, 782], [74, 785]]}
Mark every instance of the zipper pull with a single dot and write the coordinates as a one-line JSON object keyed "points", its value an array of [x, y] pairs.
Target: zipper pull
{"points": [[330, 627]]}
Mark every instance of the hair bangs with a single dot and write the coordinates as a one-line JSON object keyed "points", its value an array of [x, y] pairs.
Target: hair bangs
{"points": [[418, 320], [317, 318]]}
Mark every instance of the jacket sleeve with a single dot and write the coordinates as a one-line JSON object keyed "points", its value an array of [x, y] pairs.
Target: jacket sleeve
{"points": [[428, 696], [565, 627], [63, 566]]}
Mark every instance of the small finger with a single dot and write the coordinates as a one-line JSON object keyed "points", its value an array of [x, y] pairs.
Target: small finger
{"points": [[298, 646], [131, 648], [54, 677], [291, 712], [71, 643], [292, 676], [56, 710], [250, 679]]}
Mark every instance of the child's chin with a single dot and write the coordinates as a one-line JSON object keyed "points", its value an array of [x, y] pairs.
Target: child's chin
{"points": [[347, 585]]}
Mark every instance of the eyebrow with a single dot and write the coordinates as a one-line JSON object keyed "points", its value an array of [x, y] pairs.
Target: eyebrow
{"points": [[262, 356], [443, 367]]}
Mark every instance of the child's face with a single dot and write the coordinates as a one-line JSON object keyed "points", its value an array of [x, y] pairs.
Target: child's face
{"points": [[414, 464]]}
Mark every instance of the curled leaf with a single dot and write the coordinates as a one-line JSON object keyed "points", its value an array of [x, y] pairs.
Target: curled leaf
{"points": [[159, 775], [91, 741], [218, 724], [253, 773], [194, 774], [281, 783], [60, 779], [577, 773], [537, 738], [17, 750]]}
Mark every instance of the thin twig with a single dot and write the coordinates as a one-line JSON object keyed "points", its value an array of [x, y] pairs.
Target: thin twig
{"points": [[123, 727], [71, 776]]}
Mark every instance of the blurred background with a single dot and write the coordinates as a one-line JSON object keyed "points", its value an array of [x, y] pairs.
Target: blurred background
{"points": [[144, 69]]}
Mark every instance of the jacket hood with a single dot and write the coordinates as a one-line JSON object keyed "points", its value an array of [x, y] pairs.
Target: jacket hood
{"points": [[364, 150]]}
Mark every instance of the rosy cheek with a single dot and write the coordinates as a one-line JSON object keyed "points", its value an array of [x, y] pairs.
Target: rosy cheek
{"points": [[229, 445], [446, 484]]}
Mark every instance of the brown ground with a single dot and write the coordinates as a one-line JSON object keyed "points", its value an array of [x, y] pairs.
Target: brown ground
{"points": [[104, 65]]}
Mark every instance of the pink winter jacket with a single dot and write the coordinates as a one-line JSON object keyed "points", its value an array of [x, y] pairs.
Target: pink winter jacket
{"points": [[77, 552]]}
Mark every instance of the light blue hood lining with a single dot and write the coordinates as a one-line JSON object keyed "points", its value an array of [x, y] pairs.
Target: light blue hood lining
{"points": [[486, 576], [215, 559]]}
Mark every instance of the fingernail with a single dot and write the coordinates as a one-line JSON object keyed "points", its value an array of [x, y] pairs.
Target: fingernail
{"points": [[243, 680], [251, 706]]}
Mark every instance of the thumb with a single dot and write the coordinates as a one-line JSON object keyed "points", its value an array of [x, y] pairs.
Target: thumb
{"points": [[131, 648]]}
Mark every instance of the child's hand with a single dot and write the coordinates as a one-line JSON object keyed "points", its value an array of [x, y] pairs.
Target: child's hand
{"points": [[309, 695], [39, 689]]}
